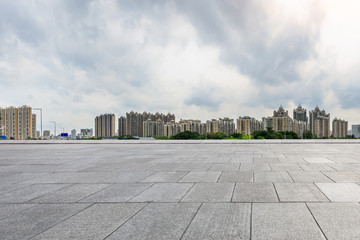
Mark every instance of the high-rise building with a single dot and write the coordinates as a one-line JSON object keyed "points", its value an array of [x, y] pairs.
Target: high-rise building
{"points": [[171, 128], [299, 114], [73, 134], [266, 122], [246, 125], [134, 121], [281, 120], [2, 122], [153, 128], [322, 127], [324, 121], [355, 130], [224, 125], [105, 126], [46, 134], [122, 126], [281, 112], [339, 128], [18, 123]]}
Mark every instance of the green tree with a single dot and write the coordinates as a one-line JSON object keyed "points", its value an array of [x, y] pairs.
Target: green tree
{"points": [[186, 135]]}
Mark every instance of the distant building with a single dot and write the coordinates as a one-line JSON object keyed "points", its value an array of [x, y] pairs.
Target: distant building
{"points": [[171, 128], [322, 130], [355, 129], [105, 126], [134, 121], [122, 126], [299, 114], [38, 134], [46, 134], [86, 133], [224, 125], [18, 123], [339, 128], [322, 127], [281, 120], [247, 125], [192, 125], [153, 128], [73, 134]]}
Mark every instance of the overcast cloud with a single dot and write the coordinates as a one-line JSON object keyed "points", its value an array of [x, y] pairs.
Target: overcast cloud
{"points": [[196, 59]]}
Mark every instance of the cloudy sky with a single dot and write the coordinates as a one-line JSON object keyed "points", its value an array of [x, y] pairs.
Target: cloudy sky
{"points": [[198, 59]]}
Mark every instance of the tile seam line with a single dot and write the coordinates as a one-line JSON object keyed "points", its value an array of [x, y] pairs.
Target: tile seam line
{"points": [[127, 220], [62, 220], [316, 221], [192, 219]]}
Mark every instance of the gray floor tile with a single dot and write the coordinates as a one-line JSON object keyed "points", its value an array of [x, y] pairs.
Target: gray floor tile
{"points": [[127, 177], [158, 221], [317, 160], [343, 176], [316, 167], [232, 177], [165, 177], [221, 221], [163, 192], [120, 192], [201, 177], [283, 221], [72, 193], [299, 192], [95, 222], [210, 192], [36, 220], [309, 177], [338, 220], [272, 177], [255, 167], [7, 210], [222, 167], [283, 167], [28, 193], [341, 192], [254, 192]]}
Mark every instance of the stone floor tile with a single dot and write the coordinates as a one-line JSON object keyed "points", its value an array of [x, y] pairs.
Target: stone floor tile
{"points": [[309, 176], [158, 221], [164, 177], [283, 167], [255, 167], [201, 177], [221, 221], [120, 192], [338, 220], [232, 177], [316, 167], [272, 177], [341, 192], [72, 193], [222, 167], [299, 192], [37, 219], [210, 192], [163, 192], [10, 209], [254, 192], [283, 221], [28, 193], [317, 160], [95, 222], [129, 177], [343, 176]]}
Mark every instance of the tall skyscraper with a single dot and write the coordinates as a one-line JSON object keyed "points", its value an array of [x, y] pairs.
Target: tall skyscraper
{"points": [[299, 114], [134, 121], [224, 125], [355, 129], [122, 126], [18, 123], [105, 125], [246, 125], [323, 130], [339, 128], [281, 120], [2, 122], [153, 128]]}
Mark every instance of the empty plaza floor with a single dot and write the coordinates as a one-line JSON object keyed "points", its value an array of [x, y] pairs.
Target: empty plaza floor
{"points": [[179, 191]]}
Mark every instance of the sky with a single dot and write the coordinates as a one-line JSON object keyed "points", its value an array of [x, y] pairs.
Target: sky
{"points": [[200, 59]]}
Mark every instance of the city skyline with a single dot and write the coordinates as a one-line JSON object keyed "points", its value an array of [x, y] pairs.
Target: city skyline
{"points": [[200, 60]]}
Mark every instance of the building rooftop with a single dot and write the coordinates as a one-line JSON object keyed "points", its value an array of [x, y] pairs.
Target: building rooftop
{"points": [[180, 191]]}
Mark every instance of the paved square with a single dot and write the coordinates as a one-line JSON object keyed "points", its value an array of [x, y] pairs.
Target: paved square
{"points": [[180, 191]]}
